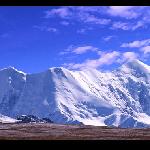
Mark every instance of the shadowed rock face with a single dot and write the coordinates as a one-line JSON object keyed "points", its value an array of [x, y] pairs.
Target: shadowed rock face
{"points": [[11, 86], [118, 98], [31, 118]]}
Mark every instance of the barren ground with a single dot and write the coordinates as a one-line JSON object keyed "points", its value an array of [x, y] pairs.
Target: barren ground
{"points": [[47, 131]]}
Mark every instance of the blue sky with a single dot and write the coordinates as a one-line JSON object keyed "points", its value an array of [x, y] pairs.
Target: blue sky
{"points": [[33, 39]]}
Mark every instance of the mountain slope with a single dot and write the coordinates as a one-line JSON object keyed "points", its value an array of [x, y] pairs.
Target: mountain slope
{"points": [[5, 119], [118, 98]]}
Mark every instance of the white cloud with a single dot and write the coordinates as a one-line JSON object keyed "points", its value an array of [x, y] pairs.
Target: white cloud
{"points": [[50, 29], [95, 15], [128, 12], [84, 30], [87, 18], [84, 49], [65, 23], [67, 51], [146, 17], [108, 38], [89, 8], [82, 14], [142, 45], [63, 53], [79, 50], [127, 25], [130, 55], [61, 12], [45, 28], [81, 30], [104, 59], [108, 58], [127, 56], [139, 24], [120, 25], [145, 49], [137, 14], [136, 43]]}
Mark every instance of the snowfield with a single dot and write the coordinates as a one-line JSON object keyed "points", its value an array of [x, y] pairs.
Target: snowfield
{"points": [[5, 119], [119, 98]]}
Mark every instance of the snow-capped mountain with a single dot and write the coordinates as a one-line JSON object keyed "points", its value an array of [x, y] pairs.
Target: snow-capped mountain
{"points": [[118, 98]]}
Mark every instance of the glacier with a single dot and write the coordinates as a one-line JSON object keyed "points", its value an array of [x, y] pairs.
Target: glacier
{"points": [[119, 98]]}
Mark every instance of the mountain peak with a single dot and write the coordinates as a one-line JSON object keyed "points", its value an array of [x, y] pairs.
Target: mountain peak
{"points": [[10, 68], [134, 62], [58, 69], [61, 68], [135, 65]]}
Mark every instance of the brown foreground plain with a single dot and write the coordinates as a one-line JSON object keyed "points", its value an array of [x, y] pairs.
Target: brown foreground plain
{"points": [[47, 131]]}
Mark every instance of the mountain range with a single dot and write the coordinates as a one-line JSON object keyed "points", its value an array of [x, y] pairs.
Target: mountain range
{"points": [[119, 98]]}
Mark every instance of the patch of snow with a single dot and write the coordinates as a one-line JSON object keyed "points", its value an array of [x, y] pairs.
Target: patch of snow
{"points": [[45, 102], [5, 119]]}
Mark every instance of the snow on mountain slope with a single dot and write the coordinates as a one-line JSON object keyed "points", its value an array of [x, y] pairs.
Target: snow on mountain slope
{"points": [[11, 86], [118, 98], [5, 119]]}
